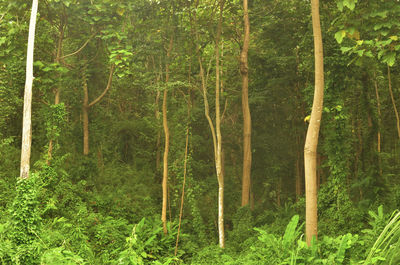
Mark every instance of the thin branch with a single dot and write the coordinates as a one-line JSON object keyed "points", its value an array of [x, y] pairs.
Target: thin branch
{"points": [[107, 87], [225, 107], [81, 48]]}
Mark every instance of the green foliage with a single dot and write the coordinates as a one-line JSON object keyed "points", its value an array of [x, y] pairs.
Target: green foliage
{"points": [[25, 220], [386, 248], [147, 244], [60, 256]]}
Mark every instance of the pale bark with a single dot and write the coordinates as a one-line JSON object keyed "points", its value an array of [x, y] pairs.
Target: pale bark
{"points": [[215, 131], [27, 115], [393, 102], [245, 108], [166, 143], [310, 148], [218, 162]]}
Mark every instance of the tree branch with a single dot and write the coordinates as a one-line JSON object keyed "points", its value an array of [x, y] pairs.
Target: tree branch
{"points": [[107, 87], [81, 48]]}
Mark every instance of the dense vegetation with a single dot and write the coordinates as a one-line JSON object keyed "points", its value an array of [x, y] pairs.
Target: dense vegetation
{"points": [[103, 70]]}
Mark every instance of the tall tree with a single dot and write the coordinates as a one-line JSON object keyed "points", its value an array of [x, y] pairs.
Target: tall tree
{"points": [[310, 148], [166, 143], [244, 70], [27, 115], [218, 160]]}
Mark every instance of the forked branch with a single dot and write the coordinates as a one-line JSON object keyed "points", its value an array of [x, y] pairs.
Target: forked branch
{"points": [[107, 87]]}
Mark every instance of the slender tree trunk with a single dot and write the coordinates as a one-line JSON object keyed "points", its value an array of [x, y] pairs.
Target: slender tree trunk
{"points": [[184, 173], [298, 170], [393, 102], [215, 131], [218, 163], [85, 113], [379, 125], [157, 116], [86, 105], [158, 151], [310, 147], [246, 109], [27, 115], [57, 89], [166, 144]]}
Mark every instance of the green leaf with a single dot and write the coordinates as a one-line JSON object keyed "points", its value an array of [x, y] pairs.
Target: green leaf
{"points": [[38, 64], [340, 5], [389, 58], [340, 35], [290, 233], [345, 49]]}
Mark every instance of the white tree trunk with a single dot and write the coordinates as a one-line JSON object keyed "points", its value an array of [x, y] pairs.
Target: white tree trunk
{"points": [[27, 121]]}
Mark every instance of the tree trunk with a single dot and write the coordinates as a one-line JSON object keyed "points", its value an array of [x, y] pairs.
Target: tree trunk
{"points": [[246, 109], [57, 89], [379, 125], [215, 131], [85, 114], [298, 170], [27, 115], [218, 162], [310, 147], [393, 102], [158, 144], [184, 172], [86, 105], [166, 144]]}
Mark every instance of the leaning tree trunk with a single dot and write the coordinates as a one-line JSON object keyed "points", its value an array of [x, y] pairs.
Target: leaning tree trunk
{"points": [[310, 148], [246, 109], [27, 115]]}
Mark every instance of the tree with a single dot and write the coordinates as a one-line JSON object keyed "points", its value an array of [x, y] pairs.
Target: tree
{"points": [[244, 70], [218, 157], [310, 147], [27, 119], [86, 105], [166, 143]]}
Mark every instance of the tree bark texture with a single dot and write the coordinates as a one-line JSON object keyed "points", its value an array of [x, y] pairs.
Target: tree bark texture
{"points": [[245, 108], [27, 114], [310, 148]]}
